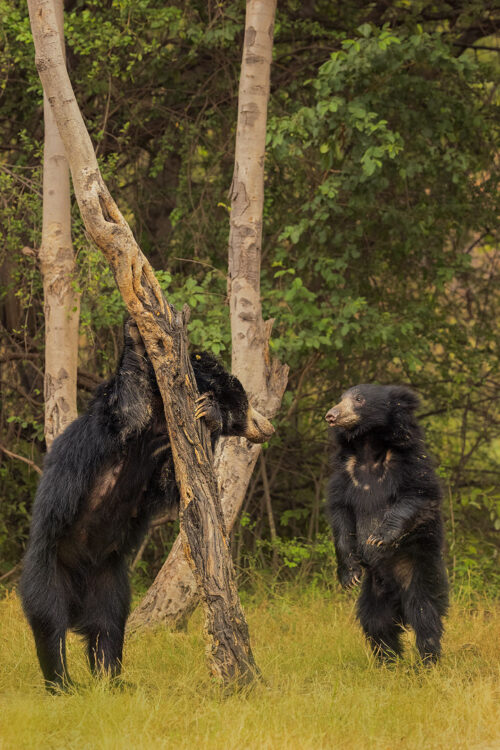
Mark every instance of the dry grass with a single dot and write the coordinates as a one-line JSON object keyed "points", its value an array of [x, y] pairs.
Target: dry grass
{"points": [[322, 688]]}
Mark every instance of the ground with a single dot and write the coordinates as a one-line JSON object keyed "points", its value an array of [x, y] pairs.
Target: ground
{"points": [[322, 688]]}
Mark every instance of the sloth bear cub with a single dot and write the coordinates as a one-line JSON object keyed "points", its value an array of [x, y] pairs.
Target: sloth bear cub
{"points": [[105, 477], [384, 507]]}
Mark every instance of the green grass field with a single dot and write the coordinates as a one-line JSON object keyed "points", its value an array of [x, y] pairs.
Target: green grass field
{"points": [[322, 688]]}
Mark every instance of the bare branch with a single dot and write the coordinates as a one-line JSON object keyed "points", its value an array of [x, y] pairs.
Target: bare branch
{"points": [[21, 458]]}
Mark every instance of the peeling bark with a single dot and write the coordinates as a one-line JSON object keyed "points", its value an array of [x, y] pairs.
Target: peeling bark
{"points": [[173, 595], [57, 261], [163, 331]]}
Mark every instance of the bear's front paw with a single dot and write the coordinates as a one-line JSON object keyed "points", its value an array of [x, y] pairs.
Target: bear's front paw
{"points": [[207, 408], [377, 540], [349, 575]]}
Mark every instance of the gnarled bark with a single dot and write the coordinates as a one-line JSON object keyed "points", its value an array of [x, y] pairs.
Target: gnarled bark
{"points": [[57, 261], [163, 331], [173, 595]]}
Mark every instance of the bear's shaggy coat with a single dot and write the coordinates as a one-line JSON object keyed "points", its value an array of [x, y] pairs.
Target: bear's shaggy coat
{"points": [[384, 507]]}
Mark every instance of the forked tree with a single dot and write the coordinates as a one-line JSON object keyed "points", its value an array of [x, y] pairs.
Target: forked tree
{"points": [[174, 594], [163, 330]]}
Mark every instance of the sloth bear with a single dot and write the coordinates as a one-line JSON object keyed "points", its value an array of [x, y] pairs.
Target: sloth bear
{"points": [[105, 477], [384, 507]]}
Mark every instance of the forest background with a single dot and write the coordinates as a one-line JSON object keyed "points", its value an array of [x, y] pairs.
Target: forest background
{"points": [[380, 257]]}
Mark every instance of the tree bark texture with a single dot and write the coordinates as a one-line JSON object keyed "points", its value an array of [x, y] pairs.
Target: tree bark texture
{"points": [[163, 331], [249, 332], [173, 595], [57, 261]]}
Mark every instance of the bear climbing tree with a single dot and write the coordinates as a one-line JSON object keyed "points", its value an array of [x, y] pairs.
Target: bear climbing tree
{"points": [[163, 330], [104, 479]]}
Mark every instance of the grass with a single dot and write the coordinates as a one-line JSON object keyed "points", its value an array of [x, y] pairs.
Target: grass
{"points": [[322, 688]]}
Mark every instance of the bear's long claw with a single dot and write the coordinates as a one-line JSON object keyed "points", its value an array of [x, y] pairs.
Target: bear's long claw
{"points": [[375, 540], [204, 397]]}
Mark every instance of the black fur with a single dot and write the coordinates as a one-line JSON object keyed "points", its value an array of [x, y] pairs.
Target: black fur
{"points": [[384, 507], [103, 480]]}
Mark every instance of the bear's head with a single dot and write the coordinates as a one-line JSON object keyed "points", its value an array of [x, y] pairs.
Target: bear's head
{"points": [[367, 407], [237, 416]]}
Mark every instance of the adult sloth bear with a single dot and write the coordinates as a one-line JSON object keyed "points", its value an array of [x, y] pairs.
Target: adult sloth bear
{"points": [[105, 477], [384, 506]]}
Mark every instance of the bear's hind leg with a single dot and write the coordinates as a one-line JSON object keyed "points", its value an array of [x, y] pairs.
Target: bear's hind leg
{"points": [[379, 613], [106, 609], [46, 601], [424, 604], [50, 642], [105, 649], [422, 614]]}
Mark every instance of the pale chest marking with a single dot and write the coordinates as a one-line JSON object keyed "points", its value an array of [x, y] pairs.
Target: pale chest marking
{"points": [[380, 467], [350, 466]]}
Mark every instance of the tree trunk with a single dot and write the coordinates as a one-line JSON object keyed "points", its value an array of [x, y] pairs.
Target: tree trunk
{"points": [[173, 595], [163, 331], [61, 301]]}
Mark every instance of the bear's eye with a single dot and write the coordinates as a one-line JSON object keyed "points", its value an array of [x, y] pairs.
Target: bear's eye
{"points": [[359, 399]]}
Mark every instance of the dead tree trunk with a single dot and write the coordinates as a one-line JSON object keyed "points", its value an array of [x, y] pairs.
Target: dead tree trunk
{"points": [[61, 301], [173, 595], [163, 331]]}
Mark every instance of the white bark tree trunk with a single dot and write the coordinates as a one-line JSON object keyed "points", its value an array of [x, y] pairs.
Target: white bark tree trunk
{"points": [[57, 261], [173, 595], [163, 331]]}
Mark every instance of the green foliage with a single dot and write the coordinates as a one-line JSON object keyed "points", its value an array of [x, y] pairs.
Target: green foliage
{"points": [[391, 156], [380, 262]]}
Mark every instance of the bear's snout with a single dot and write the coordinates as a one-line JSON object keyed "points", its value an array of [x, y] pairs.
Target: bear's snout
{"points": [[343, 414], [332, 416], [258, 428]]}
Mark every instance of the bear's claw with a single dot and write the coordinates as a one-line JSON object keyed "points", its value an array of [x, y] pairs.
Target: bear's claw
{"points": [[353, 582], [375, 540], [203, 404], [350, 577], [207, 408]]}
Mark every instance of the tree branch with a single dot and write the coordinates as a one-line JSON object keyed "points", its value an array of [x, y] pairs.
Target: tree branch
{"points": [[21, 458]]}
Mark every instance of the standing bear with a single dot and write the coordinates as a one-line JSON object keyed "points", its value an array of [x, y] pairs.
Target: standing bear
{"points": [[105, 477], [384, 507]]}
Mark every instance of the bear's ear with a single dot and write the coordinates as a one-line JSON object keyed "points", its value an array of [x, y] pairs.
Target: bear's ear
{"points": [[132, 339], [403, 397]]}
